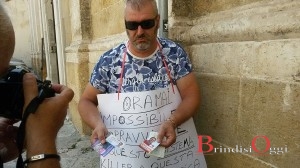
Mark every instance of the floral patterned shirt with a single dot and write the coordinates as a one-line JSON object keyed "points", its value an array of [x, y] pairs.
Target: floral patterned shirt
{"points": [[140, 74]]}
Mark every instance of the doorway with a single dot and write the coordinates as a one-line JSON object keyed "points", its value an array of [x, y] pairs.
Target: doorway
{"points": [[49, 54]]}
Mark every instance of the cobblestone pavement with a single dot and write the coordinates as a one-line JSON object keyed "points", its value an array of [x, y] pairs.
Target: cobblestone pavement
{"points": [[74, 149]]}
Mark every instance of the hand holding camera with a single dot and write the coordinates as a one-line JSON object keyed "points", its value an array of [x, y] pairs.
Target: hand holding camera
{"points": [[19, 88], [11, 88]]}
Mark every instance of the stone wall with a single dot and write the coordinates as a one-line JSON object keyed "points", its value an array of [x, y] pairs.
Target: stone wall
{"points": [[247, 58], [107, 17]]}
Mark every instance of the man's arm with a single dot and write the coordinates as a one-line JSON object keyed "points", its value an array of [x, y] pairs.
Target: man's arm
{"points": [[89, 113], [190, 95]]}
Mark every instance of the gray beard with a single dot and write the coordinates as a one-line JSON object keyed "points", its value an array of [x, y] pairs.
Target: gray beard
{"points": [[142, 46]]}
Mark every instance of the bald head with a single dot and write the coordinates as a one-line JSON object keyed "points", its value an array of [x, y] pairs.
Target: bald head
{"points": [[139, 4], [7, 40]]}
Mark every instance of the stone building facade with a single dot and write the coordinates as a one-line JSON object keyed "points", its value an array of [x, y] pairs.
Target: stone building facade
{"points": [[246, 54]]}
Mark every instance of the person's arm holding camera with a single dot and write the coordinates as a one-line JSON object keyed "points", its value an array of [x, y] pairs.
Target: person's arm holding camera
{"points": [[42, 126]]}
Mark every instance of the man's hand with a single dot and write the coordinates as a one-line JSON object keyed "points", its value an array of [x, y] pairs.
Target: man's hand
{"points": [[43, 125], [100, 133], [166, 135], [50, 115], [8, 147]]}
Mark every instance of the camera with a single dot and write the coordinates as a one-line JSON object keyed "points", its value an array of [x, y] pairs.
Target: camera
{"points": [[12, 95]]}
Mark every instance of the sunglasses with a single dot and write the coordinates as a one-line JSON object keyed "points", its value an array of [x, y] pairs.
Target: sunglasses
{"points": [[146, 24]]}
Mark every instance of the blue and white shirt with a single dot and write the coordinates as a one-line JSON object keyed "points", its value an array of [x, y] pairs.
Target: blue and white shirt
{"points": [[140, 74]]}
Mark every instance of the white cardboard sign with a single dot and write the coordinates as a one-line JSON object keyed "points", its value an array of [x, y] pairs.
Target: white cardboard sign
{"points": [[136, 114]]}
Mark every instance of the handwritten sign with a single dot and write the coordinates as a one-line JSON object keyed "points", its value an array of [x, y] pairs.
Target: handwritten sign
{"points": [[136, 114]]}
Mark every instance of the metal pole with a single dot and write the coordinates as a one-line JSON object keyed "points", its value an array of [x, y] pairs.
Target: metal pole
{"points": [[163, 10]]}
